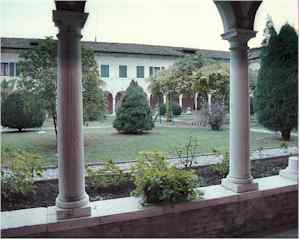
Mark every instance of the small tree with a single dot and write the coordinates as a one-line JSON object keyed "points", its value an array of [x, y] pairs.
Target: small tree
{"points": [[39, 76], [134, 115], [276, 92], [22, 110]]}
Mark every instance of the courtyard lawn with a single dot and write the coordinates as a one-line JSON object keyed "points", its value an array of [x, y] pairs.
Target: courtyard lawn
{"points": [[105, 143]]}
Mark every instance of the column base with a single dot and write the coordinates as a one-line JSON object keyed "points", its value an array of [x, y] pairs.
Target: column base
{"points": [[291, 172], [239, 186], [76, 209]]}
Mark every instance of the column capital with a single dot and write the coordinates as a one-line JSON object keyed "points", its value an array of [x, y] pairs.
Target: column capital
{"points": [[69, 20], [238, 37]]}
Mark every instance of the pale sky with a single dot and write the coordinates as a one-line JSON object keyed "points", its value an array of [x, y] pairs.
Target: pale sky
{"points": [[183, 23]]}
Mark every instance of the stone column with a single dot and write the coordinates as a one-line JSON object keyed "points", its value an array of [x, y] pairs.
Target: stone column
{"points": [[239, 178], [165, 99], [180, 100], [209, 101], [291, 172], [196, 101], [72, 200], [113, 105]]}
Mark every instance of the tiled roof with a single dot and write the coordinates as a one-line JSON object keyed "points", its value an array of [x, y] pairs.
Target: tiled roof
{"points": [[129, 48], [126, 48]]}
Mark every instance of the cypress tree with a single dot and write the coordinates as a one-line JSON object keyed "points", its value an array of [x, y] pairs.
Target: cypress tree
{"points": [[134, 115], [276, 92]]}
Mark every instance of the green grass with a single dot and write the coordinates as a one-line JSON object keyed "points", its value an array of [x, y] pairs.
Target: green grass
{"points": [[106, 143]]}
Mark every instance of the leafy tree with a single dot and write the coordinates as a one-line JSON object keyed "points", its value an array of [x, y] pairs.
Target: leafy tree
{"points": [[39, 75], [189, 75], [22, 110], [276, 96], [134, 115]]}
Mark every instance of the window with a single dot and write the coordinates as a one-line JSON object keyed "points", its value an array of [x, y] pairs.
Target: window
{"points": [[150, 71], [140, 72], [122, 71], [4, 69], [105, 71], [11, 69], [156, 70], [153, 70], [17, 69]]}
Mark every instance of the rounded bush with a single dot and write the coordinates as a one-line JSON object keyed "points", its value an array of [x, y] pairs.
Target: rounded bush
{"points": [[162, 110], [177, 110], [22, 110]]}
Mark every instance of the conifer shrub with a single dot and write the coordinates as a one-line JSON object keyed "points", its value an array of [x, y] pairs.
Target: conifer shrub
{"points": [[276, 91], [134, 115]]}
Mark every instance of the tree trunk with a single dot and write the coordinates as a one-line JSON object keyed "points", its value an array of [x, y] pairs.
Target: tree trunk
{"points": [[286, 135]]}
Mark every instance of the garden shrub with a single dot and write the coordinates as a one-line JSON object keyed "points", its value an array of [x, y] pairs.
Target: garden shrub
{"points": [[162, 110], [18, 176], [109, 175], [158, 182], [216, 116], [22, 110], [134, 115], [177, 110], [186, 153], [222, 168]]}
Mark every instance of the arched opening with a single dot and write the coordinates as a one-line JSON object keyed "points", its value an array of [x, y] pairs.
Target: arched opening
{"points": [[156, 100], [188, 102], [119, 98], [202, 99]]}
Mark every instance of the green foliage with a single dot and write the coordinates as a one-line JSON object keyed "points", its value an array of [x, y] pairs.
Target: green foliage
{"points": [[109, 175], [7, 87], [18, 177], [157, 182], [94, 104], [176, 109], [276, 92], [162, 110], [186, 153], [134, 115], [222, 168], [39, 76], [22, 110]]}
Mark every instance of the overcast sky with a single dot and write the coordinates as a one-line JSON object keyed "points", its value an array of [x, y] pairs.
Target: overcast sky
{"points": [[184, 23]]}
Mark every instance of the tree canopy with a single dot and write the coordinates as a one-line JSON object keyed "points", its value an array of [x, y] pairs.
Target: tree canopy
{"points": [[38, 69], [276, 92]]}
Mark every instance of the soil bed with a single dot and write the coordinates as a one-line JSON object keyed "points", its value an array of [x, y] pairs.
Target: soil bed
{"points": [[46, 192]]}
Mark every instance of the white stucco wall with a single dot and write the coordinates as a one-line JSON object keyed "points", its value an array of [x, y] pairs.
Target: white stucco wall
{"points": [[114, 84]]}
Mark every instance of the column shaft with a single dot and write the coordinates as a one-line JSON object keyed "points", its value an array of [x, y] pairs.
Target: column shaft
{"points": [[239, 178], [72, 200]]}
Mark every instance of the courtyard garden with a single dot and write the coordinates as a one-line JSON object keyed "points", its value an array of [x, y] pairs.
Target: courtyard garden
{"points": [[102, 142]]}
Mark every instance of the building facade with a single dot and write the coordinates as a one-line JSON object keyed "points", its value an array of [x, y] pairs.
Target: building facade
{"points": [[119, 64]]}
